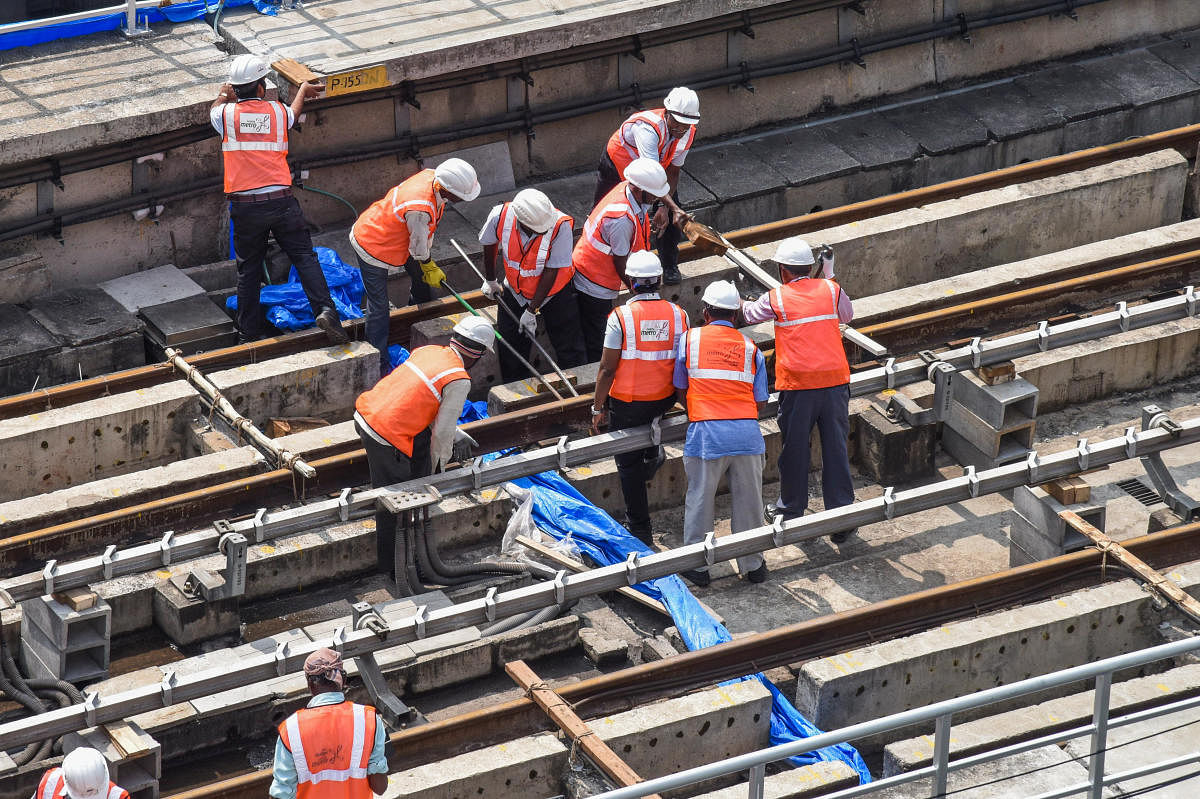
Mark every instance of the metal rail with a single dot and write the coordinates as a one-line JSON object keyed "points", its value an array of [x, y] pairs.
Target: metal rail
{"points": [[129, 7]]}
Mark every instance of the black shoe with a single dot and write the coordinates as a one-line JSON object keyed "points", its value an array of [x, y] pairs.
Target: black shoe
{"points": [[328, 321], [671, 275], [642, 532], [696, 578], [654, 464], [843, 536], [759, 575]]}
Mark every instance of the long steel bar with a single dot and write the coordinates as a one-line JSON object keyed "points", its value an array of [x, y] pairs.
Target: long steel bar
{"points": [[129, 7], [568, 588]]}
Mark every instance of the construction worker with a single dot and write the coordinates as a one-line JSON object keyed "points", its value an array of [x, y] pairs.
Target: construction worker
{"points": [[722, 380], [330, 749], [634, 384], [258, 183], [812, 377], [528, 241], [618, 225], [82, 775], [397, 230], [664, 135], [408, 420]]}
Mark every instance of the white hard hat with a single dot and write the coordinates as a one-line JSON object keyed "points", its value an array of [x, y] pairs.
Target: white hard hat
{"points": [[248, 68], [722, 294], [534, 210], [794, 252], [683, 104], [477, 329], [643, 264], [648, 175], [457, 177], [85, 772]]}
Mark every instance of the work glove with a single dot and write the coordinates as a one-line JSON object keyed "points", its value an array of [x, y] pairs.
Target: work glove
{"points": [[529, 323], [491, 289], [825, 261], [463, 444], [432, 274]]}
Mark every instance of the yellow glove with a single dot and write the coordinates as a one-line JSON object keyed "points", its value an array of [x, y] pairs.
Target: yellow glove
{"points": [[432, 274]]}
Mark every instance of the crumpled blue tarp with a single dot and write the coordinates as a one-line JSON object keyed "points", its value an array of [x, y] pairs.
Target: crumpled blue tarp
{"points": [[287, 305], [396, 355]]}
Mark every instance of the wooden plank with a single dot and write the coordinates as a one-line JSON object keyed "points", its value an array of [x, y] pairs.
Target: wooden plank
{"points": [[127, 741], [1062, 490], [572, 565], [295, 72], [76, 598]]}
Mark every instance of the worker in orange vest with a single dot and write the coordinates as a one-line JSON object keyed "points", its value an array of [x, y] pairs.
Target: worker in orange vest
{"points": [[397, 231], [332, 748], [528, 243], [634, 383], [82, 775], [812, 377], [664, 135], [620, 224], [722, 379], [408, 421], [258, 182]]}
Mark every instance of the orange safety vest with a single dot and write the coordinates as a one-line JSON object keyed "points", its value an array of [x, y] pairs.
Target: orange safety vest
{"points": [[407, 400], [523, 267], [622, 148], [649, 329], [721, 368], [381, 231], [326, 768], [808, 342], [254, 145], [54, 786], [592, 256]]}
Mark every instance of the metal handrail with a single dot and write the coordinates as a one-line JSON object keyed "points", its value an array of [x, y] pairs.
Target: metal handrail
{"points": [[941, 713], [130, 8]]}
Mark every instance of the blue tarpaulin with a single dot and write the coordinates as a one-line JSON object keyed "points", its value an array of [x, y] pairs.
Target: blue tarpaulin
{"points": [[287, 305]]}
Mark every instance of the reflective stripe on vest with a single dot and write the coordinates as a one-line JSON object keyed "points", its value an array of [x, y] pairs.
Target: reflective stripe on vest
{"points": [[808, 343], [254, 145], [721, 367], [520, 270], [54, 786], [358, 764], [381, 230], [650, 329], [592, 256], [407, 400], [622, 147]]}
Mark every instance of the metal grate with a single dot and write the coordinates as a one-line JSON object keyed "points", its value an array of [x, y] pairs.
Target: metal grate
{"points": [[1140, 491]]}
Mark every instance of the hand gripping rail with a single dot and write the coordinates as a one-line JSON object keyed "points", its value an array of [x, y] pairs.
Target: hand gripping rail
{"points": [[567, 588]]}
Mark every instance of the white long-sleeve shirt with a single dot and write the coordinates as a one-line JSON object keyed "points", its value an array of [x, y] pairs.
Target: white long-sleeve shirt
{"points": [[441, 443]]}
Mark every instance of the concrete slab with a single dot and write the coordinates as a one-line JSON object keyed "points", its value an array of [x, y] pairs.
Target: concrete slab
{"points": [[23, 345], [151, 287], [797, 783], [188, 320], [804, 156], [1009, 111], [23, 276], [1142, 78], [873, 141], [733, 172], [940, 126], [1182, 52], [525, 767], [1074, 91], [1141, 745], [1026, 774], [82, 316]]}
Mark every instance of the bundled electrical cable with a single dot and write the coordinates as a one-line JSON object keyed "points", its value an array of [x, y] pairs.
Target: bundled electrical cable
{"points": [[37, 696]]}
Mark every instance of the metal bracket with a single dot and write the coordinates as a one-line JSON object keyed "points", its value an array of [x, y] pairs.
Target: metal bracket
{"points": [[777, 531], [710, 548], [889, 502], [1070, 12], [889, 369], [857, 57], [1043, 333], [1189, 296], [637, 50], [560, 586], [477, 472], [561, 449], [281, 654], [1131, 442], [489, 605], [942, 376], [1082, 452], [964, 30], [902, 408], [972, 480], [344, 504], [747, 29], [236, 547], [167, 687], [337, 641], [260, 521], [48, 573], [1123, 315], [745, 82], [409, 95], [636, 88], [656, 431], [632, 563], [976, 348], [418, 618], [1178, 500], [164, 546], [91, 703], [1033, 464], [395, 713], [106, 561]]}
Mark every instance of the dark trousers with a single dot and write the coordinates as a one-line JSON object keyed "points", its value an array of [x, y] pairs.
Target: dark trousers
{"points": [[827, 409], [283, 219], [420, 290], [636, 468], [667, 242], [388, 466], [560, 314], [375, 290], [593, 313]]}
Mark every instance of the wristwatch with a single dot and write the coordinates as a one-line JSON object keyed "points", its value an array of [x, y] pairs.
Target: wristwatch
{"points": [[596, 413]]}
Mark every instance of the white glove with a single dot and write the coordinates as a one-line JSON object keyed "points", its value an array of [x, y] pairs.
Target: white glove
{"points": [[529, 323], [826, 261], [463, 444], [491, 289]]}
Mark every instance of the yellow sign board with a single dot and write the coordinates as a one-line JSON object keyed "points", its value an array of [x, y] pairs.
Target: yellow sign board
{"points": [[360, 80]]}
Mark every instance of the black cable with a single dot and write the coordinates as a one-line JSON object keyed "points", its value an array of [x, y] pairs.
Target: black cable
{"points": [[1158, 785]]}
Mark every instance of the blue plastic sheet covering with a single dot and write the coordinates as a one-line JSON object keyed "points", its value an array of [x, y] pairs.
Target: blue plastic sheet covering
{"points": [[287, 305], [397, 355]]}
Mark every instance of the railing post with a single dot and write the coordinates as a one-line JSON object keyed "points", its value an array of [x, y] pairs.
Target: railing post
{"points": [[1100, 736], [131, 15], [941, 754], [757, 775]]}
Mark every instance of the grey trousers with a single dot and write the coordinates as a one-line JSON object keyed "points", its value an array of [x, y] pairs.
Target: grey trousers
{"points": [[745, 486]]}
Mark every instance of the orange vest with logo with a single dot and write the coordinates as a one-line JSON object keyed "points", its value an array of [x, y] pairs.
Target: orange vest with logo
{"points": [[254, 145], [649, 330], [331, 746], [622, 148], [808, 342], [54, 786], [523, 267], [592, 256], [407, 400], [381, 231], [721, 368]]}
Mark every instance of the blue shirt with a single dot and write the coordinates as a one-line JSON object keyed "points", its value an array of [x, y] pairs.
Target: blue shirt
{"points": [[283, 784], [716, 438]]}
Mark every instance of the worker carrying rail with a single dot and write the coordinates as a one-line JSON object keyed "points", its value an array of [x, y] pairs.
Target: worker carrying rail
{"points": [[812, 377], [397, 231], [330, 749], [620, 224], [528, 242], [258, 183], [82, 775], [634, 383], [408, 421], [664, 135]]}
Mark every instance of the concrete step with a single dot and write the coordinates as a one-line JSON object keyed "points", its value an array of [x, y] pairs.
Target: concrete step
{"points": [[797, 783]]}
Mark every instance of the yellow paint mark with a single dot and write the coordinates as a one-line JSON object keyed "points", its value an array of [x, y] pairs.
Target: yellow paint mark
{"points": [[1061, 602], [1163, 688], [950, 291], [116, 492], [488, 494], [583, 471], [725, 697], [368, 524], [163, 573], [887, 392], [266, 549]]}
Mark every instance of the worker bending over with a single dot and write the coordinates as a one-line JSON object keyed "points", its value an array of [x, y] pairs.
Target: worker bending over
{"points": [[634, 384], [82, 775], [397, 230], [618, 225], [664, 135], [258, 183], [722, 379], [528, 241], [812, 377], [408, 422], [330, 749]]}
